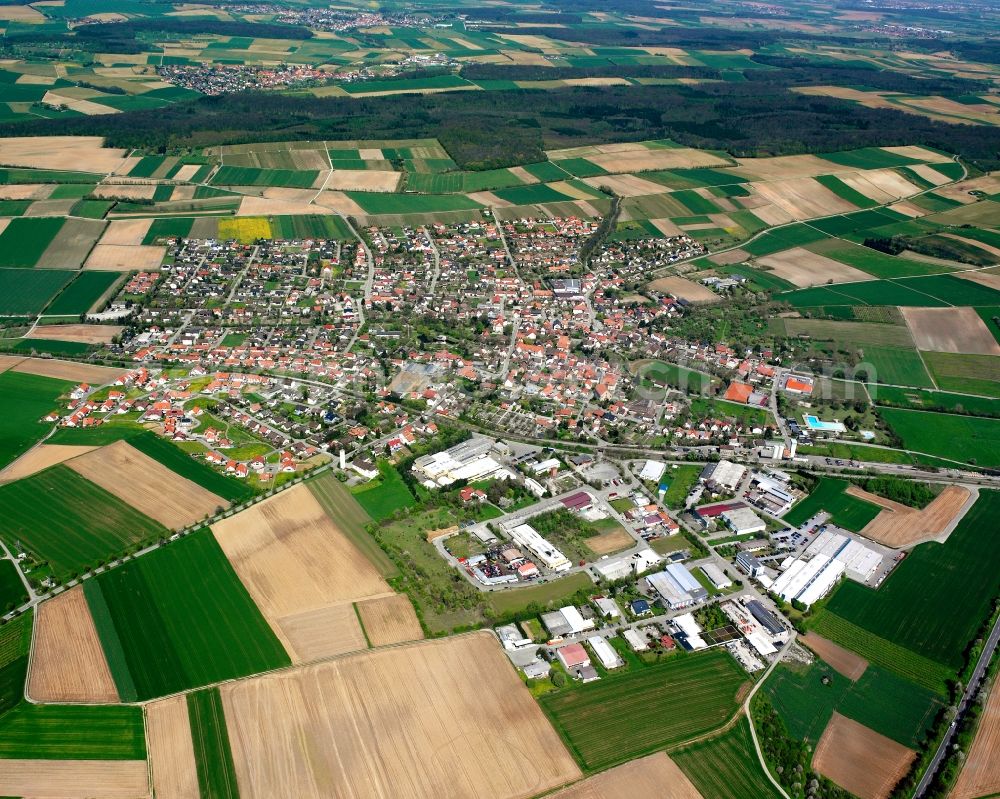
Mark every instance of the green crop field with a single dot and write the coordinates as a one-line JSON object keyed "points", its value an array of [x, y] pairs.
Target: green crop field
{"points": [[25, 399], [920, 399], [250, 176], [12, 592], [553, 593], [961, 438], [529, 195], [180, 618], [384, 495], [846, 335], [342, 506], [938, 597], [846, 511], [784, 238], [314, 226], [25, 239], [969, 374], [388, 203], [726, 767], [802, 700], [868, 158], [879, 264], [580, 167], [213, 755], [171, 227], [69, 521], [897, 366], [635, 713], [876, 650], [845, 192], [28, 291], [72, 732], [546, 171], [82, 293]]}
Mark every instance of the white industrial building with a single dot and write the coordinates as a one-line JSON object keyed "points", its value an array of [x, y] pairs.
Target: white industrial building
{"points": [[716, 576], [677, 587], [526, 536], [471, 460], [566, 621], [860, 562], [771, 494], [652, 471], [620, 568], [812, 575], [605, 652], [743, 521], [723, 477], [690, 630], [636, 640]]}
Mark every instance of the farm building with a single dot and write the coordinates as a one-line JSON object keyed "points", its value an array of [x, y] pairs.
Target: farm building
{"points": [[723, 477], [676, 587], [743, 521], [566, 621], [526, 536], [716, 576], [605, 652]]}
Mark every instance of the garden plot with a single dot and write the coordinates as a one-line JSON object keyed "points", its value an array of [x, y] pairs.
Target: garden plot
{"points": [[656, 775], [67, 661], [389, 620], [337, 729], [298, 565], [171, 753], [147, 485], [856, 758], [958, 330], [125, 258], [803, 267], [38, 458], [903, 526]]}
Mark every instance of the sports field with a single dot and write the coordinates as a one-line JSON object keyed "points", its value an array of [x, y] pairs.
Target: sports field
{"points": [[828, 495], [68, 521], [963, 438], [726, 767], [937, 598], [179, 618], [634, 713], [25, 399]]}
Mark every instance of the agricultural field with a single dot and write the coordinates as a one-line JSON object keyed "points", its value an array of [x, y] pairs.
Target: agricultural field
{"points": [[51, 732], [26, 292], [172, 765], [598, 720], [869, 765], [277, 746], [910, 609], [25, 239], [980, 774], [12, 592], [210, 739], [79, 525], [384, 496], [160, 621], [656, 775], [726, 766], [961, 438], [975, 374], [26, 399], [81, 295], [828, 495]]}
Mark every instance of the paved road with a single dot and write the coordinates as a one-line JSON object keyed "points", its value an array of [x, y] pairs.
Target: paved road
{"points": [[970, 691]]}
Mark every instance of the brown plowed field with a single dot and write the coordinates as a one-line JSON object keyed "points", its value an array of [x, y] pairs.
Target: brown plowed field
{"points": [[40, 457], [390, 620], [67, 661], [126, 232], [875, 499], [321, 633], [344, 729], [75, 779], [958, 330], [980, 776], [685, 289], [841, 660], [859, 759], [85, 153], [654, 776], [67, 370], [294, 560], [85, 334], [171, 753], [611, 541], [906, 527], [147, 485], [125, 258], [806, 268], [803, 198]]}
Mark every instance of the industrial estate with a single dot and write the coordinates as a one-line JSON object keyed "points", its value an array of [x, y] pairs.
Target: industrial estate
{"points": [[500, 400]]}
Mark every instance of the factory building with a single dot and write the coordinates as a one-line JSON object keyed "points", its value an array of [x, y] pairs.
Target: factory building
{"points": [[526, 536], [676, 587], [723, 477]]}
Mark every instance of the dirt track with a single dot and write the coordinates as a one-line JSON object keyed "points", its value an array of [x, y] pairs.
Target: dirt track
{"points": [[859, 759], [343, 729]]}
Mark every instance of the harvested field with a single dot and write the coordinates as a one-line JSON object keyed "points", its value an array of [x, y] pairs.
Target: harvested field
{"points": [[766, 212], [126, 232], [9, 362], [875, 499], [907, 208], [841, 660], [294, 560], [918, 154], [119, 258], [905, 527], [611, 541], [259, 206], [67, 661], [147, 485], [362, 180], [67, 370], [301, 732], [171, 753], [980, 776], [38, 458], [783, 167], [736, 256], [26, 191], [930, 174], [656, 775], [802, 198], [389, 620], [641, 159], [684, 289], [626, 185], [85, 334], [959, 330], [324, 632], [60, 152], [856, 758], [984, 278], [803, 267], [666, 227], [75, 779], [128, 191]]}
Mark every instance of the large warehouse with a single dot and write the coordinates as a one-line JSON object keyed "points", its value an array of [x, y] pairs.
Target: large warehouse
{"points": [[816, 571], [471, 460], [677, 587], [526, 536]]}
